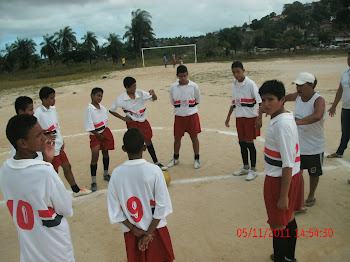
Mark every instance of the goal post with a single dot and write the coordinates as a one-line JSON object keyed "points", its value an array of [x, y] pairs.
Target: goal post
{"points": [[163, 47]]}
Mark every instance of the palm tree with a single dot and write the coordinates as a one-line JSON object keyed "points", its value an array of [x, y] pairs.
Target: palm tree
{"points": [[140, 33], [66, 39], [114, 48], [90, 43], [49, 48], [24, 50], [9, 59]]}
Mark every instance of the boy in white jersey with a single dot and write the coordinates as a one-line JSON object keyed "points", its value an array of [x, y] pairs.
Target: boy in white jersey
{"points": [[35, 196], [310, 114], [245, 103], [133, 103], [283, 192], [101, 138], [185, 96], [139, 200], [48, 120]]}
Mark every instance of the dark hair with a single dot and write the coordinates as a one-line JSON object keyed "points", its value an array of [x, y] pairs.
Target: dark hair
{"points": [[96, 90], [273, 87], [129, 81], [45, 92], [181, 69], [133, 141], [237, 64], [18, 127], [22, 102], [315, 83]]}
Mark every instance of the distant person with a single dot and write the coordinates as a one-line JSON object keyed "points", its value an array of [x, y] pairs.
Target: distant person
{"points": [[185, 96], [138, 199], [283, 189], [245, 104], [174, 60], [165, 60], [133, 103], [35, 195], [48, 120], [180, 60], [343, 93], [101, 138], [123, 61]]}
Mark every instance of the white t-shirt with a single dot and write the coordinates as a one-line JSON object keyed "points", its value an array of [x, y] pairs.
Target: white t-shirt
{"points": [[185, 98], [133, 108], [48, 120], [281, 145], [38, 203], [311, 137], [39, 155], [137, 192], [345, 83], [96, 119], [245, 98]]}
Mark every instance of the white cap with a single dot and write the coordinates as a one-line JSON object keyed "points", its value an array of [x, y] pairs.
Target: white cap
{"points": [[304, 78]]}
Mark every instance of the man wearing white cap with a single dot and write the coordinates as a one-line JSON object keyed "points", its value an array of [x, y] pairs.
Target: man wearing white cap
{"points": [[310, 114]]}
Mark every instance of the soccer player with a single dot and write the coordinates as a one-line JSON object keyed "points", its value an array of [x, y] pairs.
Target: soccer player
{"points": [[139, 200], [48, 120], [185, 96], [35, 195], [245, 103], [283, 189], [101, 138], [133, 103]]}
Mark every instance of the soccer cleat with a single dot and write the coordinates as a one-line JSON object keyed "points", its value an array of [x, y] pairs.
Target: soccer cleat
{"points": [[106, 177], [173, 162], [82, 192], [197, 164], [163, 168], [93, 187], [251, 175], [272, 257], [240, 172]]}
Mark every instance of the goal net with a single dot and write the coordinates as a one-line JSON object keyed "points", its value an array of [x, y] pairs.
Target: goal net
{"points": [[154, 55]]}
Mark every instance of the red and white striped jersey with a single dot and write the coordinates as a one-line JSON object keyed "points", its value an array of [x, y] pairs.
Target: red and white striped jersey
{"points": [[38, 202], [245, 98], [133, 108], [48, 120], [96, 119], [281, 145], [137, 192], [185, 98]]}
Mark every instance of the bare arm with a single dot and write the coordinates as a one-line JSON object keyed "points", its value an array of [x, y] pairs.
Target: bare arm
{"points": [[143, 244], [337, 98], [124, 118], [227, 122], [286, 180], [319, 107], [291, 97]]}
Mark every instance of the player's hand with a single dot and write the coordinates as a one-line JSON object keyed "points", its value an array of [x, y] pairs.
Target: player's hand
{"points": [[138, 232], [144, 241], [128, 119], [49, 150], [227, 122], [258, 123], [283, 203], [331, 111], [151, 92], [101, 137]]}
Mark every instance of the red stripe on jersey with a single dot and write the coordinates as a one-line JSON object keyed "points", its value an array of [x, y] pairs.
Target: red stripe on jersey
{"points": [[51, 128], [233, 102], [47, 213], [143, 110], [272, 153], [191, 101], [248, 100], [99, 124], [297, 159], [9, 204], [152, 203], [177, 102]]}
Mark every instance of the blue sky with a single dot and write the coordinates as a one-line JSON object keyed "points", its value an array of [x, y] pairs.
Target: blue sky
{"points": [[35, 18]]}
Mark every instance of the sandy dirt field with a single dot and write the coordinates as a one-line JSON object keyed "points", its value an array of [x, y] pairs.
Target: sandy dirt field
{"points": [[211, 207]]}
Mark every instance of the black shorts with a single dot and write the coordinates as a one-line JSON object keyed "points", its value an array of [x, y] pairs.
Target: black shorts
{"points": [[313, 163]]}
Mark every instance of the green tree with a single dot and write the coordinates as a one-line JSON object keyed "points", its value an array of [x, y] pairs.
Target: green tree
{"points": [[140, 33], [90, 44], [66, 39], [49, 47], [296, 14], [24, 49], [230, 39], [114, 48], [207, 45], [9, 59]]}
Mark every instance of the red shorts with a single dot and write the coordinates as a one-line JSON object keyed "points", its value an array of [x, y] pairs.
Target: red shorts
{"points": [[106, 144], [189, 124], [272, 188], [145, 128], [57, 161], [246, 128], [159, 249]]}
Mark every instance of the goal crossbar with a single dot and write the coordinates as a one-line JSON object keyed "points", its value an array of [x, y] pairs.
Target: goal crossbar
{"points": [[159, 47]]}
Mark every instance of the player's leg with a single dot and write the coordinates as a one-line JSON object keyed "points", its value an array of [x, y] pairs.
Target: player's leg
{"points": [[105, 159], [313, 185], [244, 147], [252, 153], [153, 154], [179, 131], [177, 145], [195, 145], [345, 128], [93, 166]]}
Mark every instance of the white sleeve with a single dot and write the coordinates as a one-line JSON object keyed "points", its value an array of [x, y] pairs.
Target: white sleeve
{"points": [[163, 203], [255, 92], [115, 212], [171, 95], [197, 94], [146, 96], [286, 144], [115, 105], [89, 125]]}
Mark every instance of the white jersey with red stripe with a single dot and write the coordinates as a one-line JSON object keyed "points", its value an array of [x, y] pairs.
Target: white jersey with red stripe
{"points": [[48, 120], [133, 108], [38, 202], [38, 156], [96, 119], [245, 98], [137, 192], [185, 98], [281, 145]]}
